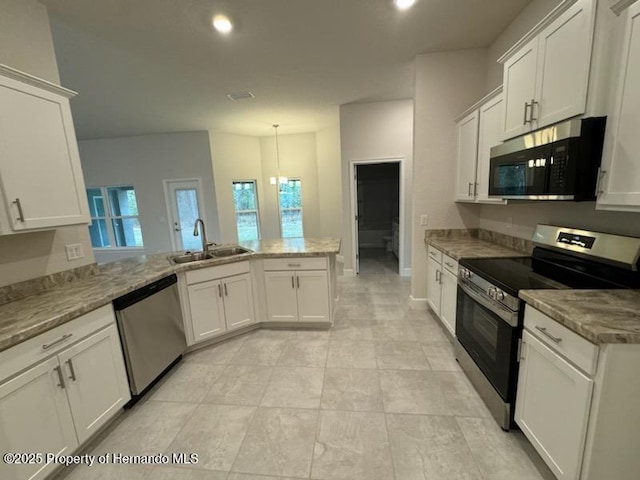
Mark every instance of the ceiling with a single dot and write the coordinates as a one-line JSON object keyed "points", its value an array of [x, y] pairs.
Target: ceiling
{"points": [[151, 66]]}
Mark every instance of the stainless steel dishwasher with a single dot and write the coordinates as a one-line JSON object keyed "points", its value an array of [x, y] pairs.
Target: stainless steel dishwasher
{"points": [[151, 331]]}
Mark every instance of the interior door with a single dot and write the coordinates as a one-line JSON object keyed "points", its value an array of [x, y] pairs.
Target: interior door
{"points": [[185, 206], [356, 204]]}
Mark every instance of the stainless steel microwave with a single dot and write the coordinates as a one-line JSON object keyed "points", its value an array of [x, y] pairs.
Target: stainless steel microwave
{"points": [[560, 162]]}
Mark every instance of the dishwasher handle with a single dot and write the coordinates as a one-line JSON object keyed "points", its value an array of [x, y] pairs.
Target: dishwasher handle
{"points": [[140, 294]]}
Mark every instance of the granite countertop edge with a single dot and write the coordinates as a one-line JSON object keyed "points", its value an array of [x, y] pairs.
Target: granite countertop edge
{"points": [[121, 277], [471, 247]]}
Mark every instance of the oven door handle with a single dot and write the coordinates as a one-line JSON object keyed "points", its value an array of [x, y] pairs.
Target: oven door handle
{"points": [[504, 313]]}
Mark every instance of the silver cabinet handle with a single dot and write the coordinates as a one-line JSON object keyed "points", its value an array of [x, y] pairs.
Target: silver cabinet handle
{"points": [[293, 284], [450, 265], [438, 276], [470, 187], [60, 377], [72, 371], [601, 174], [533, 104], [526, 107], [226, 293], [220, 290], [298, 281], [293, 264], [20, 212], [475, 189], [543, 330], [61, 339]]}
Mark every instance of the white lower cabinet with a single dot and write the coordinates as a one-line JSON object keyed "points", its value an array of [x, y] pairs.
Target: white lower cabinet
{"points": [[552, 407], [577, 402], [58, 402], [442, 287], [297, 290], [220, 299]]}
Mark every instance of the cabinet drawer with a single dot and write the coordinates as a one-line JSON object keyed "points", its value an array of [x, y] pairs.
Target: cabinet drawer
{"points": [[214, 273], [295, 263], [572, 346], [435, 254], [450, 264], [38, 348]]}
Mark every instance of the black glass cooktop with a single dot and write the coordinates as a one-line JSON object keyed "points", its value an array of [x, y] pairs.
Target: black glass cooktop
{"points": [[509, 274]]}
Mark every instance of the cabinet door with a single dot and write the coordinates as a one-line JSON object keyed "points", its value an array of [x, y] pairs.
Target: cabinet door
{"points": [[519, 79], [238, 301], [35, 417], [96, 380], [313, 296], [282, 302], [621, 164], [434, 271], [207, 310], [467, 156], [39, 162], [489, 134], [564, 58], [449, 299], [552, 407]]}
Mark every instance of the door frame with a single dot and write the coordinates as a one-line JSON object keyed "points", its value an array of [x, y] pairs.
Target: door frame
{"points": [[353, 186], [166, 185]]}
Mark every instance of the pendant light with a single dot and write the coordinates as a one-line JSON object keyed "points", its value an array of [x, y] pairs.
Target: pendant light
{"points": [[279, 179]]}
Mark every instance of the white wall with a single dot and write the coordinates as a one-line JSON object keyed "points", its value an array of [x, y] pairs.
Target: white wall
{"points": [[370, 131], [144, 162], [329, 182], [234, 157], [26, 44], [520, 219], [445, 85]]}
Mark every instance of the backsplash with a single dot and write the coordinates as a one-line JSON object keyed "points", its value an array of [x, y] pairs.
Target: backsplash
{"points": [[20, 290], [515, 243]]}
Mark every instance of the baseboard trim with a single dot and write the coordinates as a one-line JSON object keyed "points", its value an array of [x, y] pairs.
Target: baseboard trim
{"points": [[417, 302], [348, 272], [406, 272]]}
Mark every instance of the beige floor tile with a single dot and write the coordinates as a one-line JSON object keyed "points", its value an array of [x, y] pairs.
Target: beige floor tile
{"points": [[301, 352], [249, 476], [261, 349], [297, 387], [429, 332], [189, 382], [107, 472], [441, 357], [351, 389], [430, 447], [352, 446], [351, 354], [313, 334], [173, 473], [393, 355], [499, 454], [215, 433], [352, 330], [399, 331], [218, 354], [463, 399], [279, 442], [240, 385], [148, 429], [412, 391]]}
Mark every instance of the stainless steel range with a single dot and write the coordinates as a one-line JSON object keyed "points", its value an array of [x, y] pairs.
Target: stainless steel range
{"points": [[489, 313]]}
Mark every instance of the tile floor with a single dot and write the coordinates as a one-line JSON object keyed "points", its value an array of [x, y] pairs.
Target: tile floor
{"points": [[380, 396]]}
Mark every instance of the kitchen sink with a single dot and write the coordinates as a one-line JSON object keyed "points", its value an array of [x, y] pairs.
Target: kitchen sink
{"points": [[219, 252], [229, 251]]}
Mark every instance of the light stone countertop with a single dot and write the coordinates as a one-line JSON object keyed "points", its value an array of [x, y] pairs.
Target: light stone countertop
{"points": [[600, 316], [469, 247], [33, 315]]}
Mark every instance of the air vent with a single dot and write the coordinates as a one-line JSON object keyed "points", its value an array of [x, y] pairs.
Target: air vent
{"points": [[240, 96]]}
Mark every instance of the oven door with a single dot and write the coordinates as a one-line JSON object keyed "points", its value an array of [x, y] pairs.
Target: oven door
{"points": [[489, 333], [520, 174]]}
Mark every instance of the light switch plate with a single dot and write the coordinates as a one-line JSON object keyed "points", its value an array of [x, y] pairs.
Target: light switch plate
{"points": [[74, 251]]}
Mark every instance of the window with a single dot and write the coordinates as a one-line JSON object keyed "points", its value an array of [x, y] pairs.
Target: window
{"points": [[245, 199], [114, 216], [290, 201]]}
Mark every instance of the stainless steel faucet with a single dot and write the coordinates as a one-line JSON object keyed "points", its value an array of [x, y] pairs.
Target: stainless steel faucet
{"points": [[205, 244]]}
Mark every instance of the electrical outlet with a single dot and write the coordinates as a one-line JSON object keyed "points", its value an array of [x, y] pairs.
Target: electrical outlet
{"points": [[74, 251], [424, 219]]}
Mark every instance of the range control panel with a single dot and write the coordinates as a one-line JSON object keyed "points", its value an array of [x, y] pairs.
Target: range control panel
{"points": [[583, 241]]}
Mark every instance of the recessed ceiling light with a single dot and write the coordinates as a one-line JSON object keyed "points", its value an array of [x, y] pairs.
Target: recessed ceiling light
{"points": [[222, 23], [404, 4]]}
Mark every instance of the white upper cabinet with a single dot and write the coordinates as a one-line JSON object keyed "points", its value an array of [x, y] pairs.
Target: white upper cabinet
{"points": [[479, 129], [620, 5], [546, 75], [620, 173], [40, 172], [467, 156]]}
